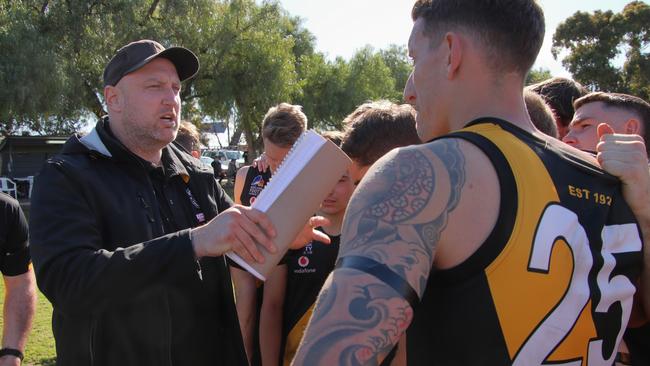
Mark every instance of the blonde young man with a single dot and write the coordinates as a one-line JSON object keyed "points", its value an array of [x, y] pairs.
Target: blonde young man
{"points": [[281, 127]]}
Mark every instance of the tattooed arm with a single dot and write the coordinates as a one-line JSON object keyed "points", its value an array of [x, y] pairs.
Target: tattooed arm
{"points": [[396, 217]]}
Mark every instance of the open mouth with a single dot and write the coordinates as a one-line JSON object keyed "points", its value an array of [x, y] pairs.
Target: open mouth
{"points": [[169, 118]]}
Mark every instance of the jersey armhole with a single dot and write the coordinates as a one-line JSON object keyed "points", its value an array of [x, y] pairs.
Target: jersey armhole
{"points": [[500, 234]]}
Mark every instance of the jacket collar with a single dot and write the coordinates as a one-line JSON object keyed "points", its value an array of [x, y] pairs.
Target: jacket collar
{"points": [[172, 165], [94, 143], [103, 142]]}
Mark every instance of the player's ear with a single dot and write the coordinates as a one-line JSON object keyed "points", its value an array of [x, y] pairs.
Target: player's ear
{"points": [[633, 127], [113, 97], [455, 53]]}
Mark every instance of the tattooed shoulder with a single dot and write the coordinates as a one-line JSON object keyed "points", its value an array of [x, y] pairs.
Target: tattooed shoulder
{"points": [[398, 213]]}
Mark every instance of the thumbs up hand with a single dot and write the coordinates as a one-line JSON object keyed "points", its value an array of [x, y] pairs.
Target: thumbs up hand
{"points": [[625, 156]]}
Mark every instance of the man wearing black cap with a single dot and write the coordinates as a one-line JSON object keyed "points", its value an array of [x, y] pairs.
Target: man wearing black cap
{"points": [[128, 230]]}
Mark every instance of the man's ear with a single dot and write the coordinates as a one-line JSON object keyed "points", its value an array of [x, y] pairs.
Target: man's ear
{"points": [[113, 98], [455, 54], [633, 127]]}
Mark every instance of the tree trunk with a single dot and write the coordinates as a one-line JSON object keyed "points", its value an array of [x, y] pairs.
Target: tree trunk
{"points": [[236, 136], [97, 106], [252, 149]]}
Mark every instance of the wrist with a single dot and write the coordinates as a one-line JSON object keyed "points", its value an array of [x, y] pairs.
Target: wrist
{"points": [[194, 239], [642, 216], [11, 352]]}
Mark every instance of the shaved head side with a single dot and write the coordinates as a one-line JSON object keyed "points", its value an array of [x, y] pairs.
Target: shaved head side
{"points": [[511, 31]]}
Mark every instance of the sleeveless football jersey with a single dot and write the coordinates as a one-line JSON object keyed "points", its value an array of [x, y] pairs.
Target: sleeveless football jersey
{"points": [[253, 185], [554, 281], [307, 270]]}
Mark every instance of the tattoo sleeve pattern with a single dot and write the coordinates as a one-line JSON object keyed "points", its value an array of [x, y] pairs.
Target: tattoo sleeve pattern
{"points": [[393, 221], [393, 214]]}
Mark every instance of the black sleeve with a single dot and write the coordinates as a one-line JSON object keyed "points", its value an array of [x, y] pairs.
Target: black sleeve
{"points": [[14, 245], [73, 268]]}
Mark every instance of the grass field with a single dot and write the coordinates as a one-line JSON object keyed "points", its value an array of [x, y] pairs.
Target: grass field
{"points": [[40, 345]]}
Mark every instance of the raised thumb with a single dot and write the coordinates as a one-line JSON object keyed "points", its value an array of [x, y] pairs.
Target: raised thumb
{"points": [[604, 129]]}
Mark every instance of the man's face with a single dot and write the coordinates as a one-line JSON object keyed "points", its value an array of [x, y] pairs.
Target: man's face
{"points": [[337, 201], [151, 106], [274, 154], [583, 133], [426, 81]]}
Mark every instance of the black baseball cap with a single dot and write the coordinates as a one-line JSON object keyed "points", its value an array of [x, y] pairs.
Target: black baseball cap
{"points": [[137, 54]]}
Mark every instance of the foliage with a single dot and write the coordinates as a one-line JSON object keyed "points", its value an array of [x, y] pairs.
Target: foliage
{"points": [[330, 90], [537, 75], [323, 90], [369, 79], [397, 59], [595, 41], [253, 55]]}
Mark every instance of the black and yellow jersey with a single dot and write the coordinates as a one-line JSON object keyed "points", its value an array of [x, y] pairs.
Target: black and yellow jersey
{"points": [[307, 270], [254, 183], [554, 281]]}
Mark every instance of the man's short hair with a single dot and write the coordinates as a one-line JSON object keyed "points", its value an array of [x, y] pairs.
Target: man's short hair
{"points": [[635, 105], [540, 113], [375, 128], [283, 124], [335, 136], [511, 31], [188, 137], [560, 93]]}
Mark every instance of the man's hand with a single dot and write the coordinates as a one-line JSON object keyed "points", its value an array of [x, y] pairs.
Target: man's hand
{"points": [[260, 163], [237, 229], [309, 233], [625, 156]]}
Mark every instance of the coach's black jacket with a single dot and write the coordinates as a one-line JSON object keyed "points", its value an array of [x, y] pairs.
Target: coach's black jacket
{"points": [[123, 292]]}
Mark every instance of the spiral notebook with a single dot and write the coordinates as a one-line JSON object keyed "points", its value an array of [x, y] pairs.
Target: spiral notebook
{"points": [[303, 180]]}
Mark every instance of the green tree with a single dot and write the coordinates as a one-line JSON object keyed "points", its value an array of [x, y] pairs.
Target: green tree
{"points": [[34, 91], [397, 60], [59, 50], [369, 79], [323, 91], [594, 41], [253, 55], [248, 66], [330, 90], [537, 75]]}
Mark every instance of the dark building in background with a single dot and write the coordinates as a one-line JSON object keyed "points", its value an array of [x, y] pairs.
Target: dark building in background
{"points": [[21, 158]]}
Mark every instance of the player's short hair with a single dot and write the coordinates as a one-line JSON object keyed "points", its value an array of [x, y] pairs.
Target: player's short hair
{"points": [[510, 31], [560, 93], [540, 113], [188, 137], [283, 124], [375, 128], [635, 105]]}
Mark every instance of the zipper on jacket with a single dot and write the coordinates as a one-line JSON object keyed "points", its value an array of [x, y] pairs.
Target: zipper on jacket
{"points": [[168, 329], [198, 270], [93, 326]]}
